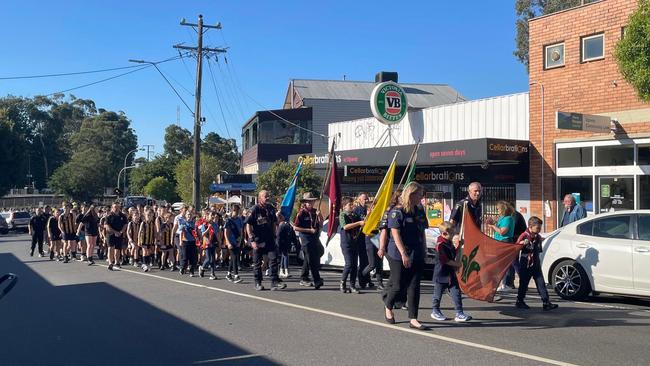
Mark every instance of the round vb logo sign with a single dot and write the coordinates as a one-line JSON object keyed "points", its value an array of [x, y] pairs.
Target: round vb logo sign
{"points": [[388, 103]]}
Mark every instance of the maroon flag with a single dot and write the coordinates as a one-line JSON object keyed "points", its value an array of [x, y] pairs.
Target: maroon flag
{"points": [[334, 195]]}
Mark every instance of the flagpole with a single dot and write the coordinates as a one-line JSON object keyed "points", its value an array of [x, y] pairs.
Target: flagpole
{"points": [[459, 253], [330, 156], [408, 165], [391, 163]]}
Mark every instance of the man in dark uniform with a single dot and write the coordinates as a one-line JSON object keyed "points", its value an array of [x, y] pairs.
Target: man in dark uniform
{"points": [[115, 230], [474, 205], [261, 226], [36, 230], [308, 225], [361, 210]]}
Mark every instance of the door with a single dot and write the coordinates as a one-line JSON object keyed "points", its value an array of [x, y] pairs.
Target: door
{"points": [[615, 194], [641, 254], [604, 249]]}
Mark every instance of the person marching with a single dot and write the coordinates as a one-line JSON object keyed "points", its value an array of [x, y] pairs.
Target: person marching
{"points": [[530, 265], [166, 236], [361, 210], [286, 238], [36, 229], [406, 252], [262, 226], [115, 230], [308, 224], [54, 233], [81, 231], [233, 228], [444, 274], [132, 235], [211, 240], [147, 235], [350, 225], [189, 254], [67, 227], [90, 223]]}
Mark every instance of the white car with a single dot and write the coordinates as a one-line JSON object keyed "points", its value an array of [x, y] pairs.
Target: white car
{"points": [[608, 253]]}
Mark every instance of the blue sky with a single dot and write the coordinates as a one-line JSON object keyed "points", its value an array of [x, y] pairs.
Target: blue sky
{"points": [[467, 45]]}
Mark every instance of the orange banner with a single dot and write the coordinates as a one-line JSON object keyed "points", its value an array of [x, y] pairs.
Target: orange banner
{"points": [[484, 261]]}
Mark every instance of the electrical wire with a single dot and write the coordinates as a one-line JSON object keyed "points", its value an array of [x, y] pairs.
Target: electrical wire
{"points": [[214, 85], [231, 91], [99, 81], [68, 73], [174, 89]]}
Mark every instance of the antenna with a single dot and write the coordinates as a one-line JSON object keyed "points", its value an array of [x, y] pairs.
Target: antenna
{"points": [[178, 115]]}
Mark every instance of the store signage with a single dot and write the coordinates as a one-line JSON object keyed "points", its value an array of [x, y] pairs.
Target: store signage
{"points": [[507, 173], [583, 122], [388, 103]]}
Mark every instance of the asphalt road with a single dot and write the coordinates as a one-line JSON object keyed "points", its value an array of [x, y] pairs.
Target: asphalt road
{"points": [[72, 314]]}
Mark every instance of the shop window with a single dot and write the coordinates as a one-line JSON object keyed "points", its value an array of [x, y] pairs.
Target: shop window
{"points": [[614, 155], [644, 192], [575, 157], [554, 56], [643, 155], [581, 188], [616, 193], [593, 47]]}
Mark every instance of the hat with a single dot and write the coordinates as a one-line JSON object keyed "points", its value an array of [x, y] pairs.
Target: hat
{"points": [[308, 197]]}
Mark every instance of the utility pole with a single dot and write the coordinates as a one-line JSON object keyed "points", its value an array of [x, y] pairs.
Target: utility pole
{"points": [[199, 49], [149, 148]]}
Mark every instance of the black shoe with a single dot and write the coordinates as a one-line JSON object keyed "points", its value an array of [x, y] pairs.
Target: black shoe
{"points": [[343, 287], [31, 254], [521, 305], [201, 272], [306, 283], [370, 285], [181, 271], [549, 306], [354, 289], [66, 260], [51, 256], [389, 320], [418, 327], [278, 286], [91, 262], [110, 267], [318, 284]]}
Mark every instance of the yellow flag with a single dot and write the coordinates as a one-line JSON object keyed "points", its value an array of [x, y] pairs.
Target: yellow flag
{"points": [[382, 199]]}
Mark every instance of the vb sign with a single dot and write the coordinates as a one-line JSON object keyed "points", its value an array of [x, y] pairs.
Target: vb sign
{"points": [[388, 103]]}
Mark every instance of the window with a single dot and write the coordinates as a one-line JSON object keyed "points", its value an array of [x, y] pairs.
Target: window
{"points": [[616, 193], [554, 56], [644, 193], [586, 228], [593, 47], [643, 156], [623, 29], [614, 155], [575, 157], [580, 185], [644, 227], [617, 227]]}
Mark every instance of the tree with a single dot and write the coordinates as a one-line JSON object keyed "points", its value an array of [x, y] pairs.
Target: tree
{"points": [[225, 150], [528, 9], [633, 51], [161, 189], [81, 179], [11, 154], [162, 166], [184, 175], [178, 142], [277, 178]]}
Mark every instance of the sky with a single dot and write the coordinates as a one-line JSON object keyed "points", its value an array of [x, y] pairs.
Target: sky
{"points": [[467, 45]]}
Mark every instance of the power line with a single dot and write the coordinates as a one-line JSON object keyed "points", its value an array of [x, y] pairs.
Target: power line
{"points": [[67, 73], [214, 84], [232, 91], [154, 64]]}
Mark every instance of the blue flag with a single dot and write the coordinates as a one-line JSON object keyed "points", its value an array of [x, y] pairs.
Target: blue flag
{"points": [[290, 196]]}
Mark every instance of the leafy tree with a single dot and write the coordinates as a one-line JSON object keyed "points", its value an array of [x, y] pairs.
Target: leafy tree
{"points": [[633, 51], [161, 189], [184, 175], [81, 179], [11, 154], [277, 178], [178, 142], [528, 9], [225, 150], [162, 166]]}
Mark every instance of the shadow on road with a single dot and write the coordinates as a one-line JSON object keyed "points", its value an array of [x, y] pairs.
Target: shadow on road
{"points": [[97, 324]]}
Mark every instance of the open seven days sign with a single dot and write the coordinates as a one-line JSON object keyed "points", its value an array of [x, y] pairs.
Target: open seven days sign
{"points": [[583, 122]]}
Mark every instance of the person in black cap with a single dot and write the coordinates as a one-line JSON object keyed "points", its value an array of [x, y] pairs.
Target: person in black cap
{"points": [[261, 226], [308, 224]]}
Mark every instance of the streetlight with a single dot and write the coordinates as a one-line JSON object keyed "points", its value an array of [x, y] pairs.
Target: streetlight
{"points": [[123, 169], [125, 158]]}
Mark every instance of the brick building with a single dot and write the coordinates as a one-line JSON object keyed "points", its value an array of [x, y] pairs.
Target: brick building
{"points": [[573, 69]]}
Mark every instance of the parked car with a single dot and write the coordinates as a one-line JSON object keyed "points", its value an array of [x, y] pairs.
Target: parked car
{"points": [[17, 220], [4, 228], [606, 253], [133, 201]]}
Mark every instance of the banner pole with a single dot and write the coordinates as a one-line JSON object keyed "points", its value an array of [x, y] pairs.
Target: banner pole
{"points": [[330, 156], [412, 158]]}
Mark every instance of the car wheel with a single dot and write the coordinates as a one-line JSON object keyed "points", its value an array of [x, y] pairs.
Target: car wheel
{"points": [[570, 281]]}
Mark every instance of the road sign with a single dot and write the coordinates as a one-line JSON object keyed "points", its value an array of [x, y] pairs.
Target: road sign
{"points": [[214, 187], [583, 122], [388, 103]]}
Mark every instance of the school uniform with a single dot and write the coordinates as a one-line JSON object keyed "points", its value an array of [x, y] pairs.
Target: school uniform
{"points": [[310, 245], [444, 275], [286, 238], [67, 222], [349, 247], [262, 219], [411, 226], [37, 223], [235, 226], [530, 266], [116, 221], [188, 248], [362, 253], [210, 233]]}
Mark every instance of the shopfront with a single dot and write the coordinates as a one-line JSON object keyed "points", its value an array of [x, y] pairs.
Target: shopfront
{"points": [[605, 176]]}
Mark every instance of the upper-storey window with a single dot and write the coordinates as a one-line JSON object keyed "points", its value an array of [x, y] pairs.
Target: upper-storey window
{"points": [[593, 47], [554, 55]]}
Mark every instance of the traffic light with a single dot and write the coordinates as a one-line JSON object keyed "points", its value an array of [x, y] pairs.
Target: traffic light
{"points": [[117, 191]]}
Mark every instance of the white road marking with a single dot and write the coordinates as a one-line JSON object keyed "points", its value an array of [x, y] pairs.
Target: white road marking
{"points": [[226, 359], [366, 321]]}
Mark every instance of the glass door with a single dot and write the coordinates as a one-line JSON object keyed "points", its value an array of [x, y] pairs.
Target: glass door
{"points": [[615, 194]]}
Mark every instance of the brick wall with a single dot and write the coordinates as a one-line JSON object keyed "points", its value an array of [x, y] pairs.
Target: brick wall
{"points": [[594, 87]]}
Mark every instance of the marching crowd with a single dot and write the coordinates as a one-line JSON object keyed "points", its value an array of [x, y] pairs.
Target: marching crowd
{"points": [[260, 237]]}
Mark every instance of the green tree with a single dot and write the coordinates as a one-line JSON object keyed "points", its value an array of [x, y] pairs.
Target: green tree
{"points": [[184, 175], [178, 142], [225, 150], [11, 154], [161, 189], [81, 179], [277, 178], [528, 9], [633, 51], [162, 166]]}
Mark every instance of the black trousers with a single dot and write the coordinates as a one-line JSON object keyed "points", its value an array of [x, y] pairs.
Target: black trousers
{"points": [[189, 255], [402, 280], [311, 263], [37, 238], [350, 255], [271, 252], [526, 273], [364, 278], [374, 262], [233, 264]]}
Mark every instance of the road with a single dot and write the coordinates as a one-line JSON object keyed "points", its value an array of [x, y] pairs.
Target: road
{"points": [[72, 314]]}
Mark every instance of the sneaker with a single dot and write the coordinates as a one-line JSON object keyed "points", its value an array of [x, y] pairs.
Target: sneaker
{"points": [[192, 274], [118, 265], [354, 289], [213, 277], [522, 305], [229, 278], [267, 272], [91, 262], [370, 285], [131, 262], [66, 260], [438, 315], [41, 255], [549, 306], [278, 286], [343, 287], [145, 268], [173, 269], [237, 279], [282, 274], [462, 317], [318, 284], [110, 267], [135, 263], [306, 283], [259, 287], [201, 272], [496, 298], [181, 271]]}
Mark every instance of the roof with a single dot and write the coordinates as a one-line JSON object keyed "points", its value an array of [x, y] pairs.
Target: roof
{"points": [[419, 95]]}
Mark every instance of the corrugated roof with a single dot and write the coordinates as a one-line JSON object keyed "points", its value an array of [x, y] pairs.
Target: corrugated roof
{"points": [[419, 95]]}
